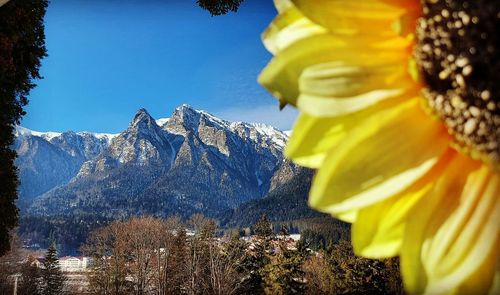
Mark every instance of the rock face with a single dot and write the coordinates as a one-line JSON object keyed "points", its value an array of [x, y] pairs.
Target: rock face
{"points": [[46, 160], [190, 162]]}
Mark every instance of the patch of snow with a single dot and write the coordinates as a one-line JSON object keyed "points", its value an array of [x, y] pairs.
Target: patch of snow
{"points": [[213, 118], [162, 121], [275, 135], [22, 131], [108, 137]]}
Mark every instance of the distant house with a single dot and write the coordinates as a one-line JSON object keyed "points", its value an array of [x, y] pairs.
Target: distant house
{"points": [[73, 264], [37, 262]]}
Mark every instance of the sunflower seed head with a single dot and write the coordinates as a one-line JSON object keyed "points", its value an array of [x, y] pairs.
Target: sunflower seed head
{"points": [[458, 56]]}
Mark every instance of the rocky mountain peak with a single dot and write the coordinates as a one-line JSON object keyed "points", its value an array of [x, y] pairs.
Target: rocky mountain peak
{"points": [[225, 163], [186, 117], [142, 119]]}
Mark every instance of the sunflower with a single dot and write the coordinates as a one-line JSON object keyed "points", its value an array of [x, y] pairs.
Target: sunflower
{"points": [[400, 115]]}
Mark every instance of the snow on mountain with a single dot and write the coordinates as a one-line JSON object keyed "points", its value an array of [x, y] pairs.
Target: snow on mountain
{"points": [[22, 131], [259, 133], [192, 160], [48, 159], [106, 136], [162, 121], [49, 135], [142, 141]]}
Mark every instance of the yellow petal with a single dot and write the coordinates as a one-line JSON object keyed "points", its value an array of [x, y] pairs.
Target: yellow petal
{"points": [[378, 230], [381, 157], [282, 74], [351, 17], [313, 137], [283, 5], [454, 229], [336, 88], [486, 279], [450, 183], [464, 238], [287, 28]]}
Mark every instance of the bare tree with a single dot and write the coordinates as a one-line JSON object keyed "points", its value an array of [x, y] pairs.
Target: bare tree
{"points": [[224, 262], [109, 260], [144, 240], [9, 265], [164, 249]]}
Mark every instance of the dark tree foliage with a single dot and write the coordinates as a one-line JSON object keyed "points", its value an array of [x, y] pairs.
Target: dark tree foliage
{"points": [[69, 231], [283, 274], [263, 228], [219, 7], [53, 279], [22, 46], [283, 203], [30, 278], [358, 275]]}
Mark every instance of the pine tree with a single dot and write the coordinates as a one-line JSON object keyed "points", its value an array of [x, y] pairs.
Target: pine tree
{"points": [[263, 228], [53, 279], [30, 278], [283, 274], [22, 46], [257, 258]]}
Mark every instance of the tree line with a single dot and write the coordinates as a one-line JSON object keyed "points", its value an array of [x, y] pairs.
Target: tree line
{"points": [[150, 255], [22, 273]]}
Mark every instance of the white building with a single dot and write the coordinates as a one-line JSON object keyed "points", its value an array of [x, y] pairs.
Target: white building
{"points": [[73, 264]]}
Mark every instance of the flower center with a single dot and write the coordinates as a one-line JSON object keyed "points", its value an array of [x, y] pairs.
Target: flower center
{"points": [[458, 56]]}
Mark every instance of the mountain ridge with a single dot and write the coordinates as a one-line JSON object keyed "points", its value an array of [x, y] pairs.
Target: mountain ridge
{"points": [[148, 164]]}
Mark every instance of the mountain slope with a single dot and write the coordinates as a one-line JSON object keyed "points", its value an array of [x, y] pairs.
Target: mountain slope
{"points": [[288, 201], [194, 162], [47, 160]]}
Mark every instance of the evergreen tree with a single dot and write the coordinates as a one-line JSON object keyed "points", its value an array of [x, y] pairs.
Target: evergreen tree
{"points": [[22, 46], [31, 277], [263, 228], [53, 279], [358, 275], [250, 268], [254, 262], [283, 274], [177, 280]]}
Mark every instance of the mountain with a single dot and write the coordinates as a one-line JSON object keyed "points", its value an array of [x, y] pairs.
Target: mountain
{"points": [[287, 201], [46, 160], [191, 162]]}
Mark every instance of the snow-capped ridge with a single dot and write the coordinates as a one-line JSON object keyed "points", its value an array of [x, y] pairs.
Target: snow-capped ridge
{"points": [[50, 135], [191, 118], [190, 161], [22, 131]]}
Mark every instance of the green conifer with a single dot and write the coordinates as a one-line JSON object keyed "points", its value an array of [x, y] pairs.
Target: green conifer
{"points": [[53, 278], [263, 228], [22, 46]]}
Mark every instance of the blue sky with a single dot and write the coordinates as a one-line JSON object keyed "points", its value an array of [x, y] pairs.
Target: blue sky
{"points": [[108, 58]]}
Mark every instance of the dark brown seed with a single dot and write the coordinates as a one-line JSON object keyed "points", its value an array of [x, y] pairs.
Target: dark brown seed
{"points": [[458, 56]]}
